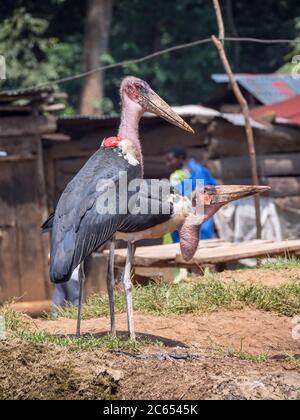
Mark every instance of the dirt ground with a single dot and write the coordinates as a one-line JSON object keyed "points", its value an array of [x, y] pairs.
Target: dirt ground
{"points": [[30, 371], [248, 330], [192, 356], [268, 277]]}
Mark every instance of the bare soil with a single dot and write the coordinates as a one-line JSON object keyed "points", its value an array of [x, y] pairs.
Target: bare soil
{"points": [[248, 330], [28, 371], [268, 277]]}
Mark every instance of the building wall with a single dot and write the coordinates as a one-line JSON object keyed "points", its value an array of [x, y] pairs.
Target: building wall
{"points": [[23, 249], [278, 156]]}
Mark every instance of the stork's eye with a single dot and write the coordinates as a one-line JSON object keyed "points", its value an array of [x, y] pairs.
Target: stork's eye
{"points": [[140, 88]]}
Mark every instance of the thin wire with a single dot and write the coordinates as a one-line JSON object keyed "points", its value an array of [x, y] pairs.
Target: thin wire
{"points": [[263, 41], [157, 54], [126, 62]]}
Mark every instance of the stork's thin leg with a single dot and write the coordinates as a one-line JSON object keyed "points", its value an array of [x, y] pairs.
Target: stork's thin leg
{"points": [[110, 288], [128, 288], [81, 278]]}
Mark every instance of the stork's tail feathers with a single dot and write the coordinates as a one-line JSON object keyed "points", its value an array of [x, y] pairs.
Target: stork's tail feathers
{"points": [[60, 273], [48, 224]]}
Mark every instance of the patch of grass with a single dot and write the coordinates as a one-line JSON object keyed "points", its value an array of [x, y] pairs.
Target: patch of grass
{"points": [[14, 321], [18, 327], [281, 262], [209, 295], [295, 361], [242, 355], [86, 341]]}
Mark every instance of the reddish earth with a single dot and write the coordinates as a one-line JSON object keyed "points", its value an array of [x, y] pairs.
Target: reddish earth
{"points": [[266, 276], [47, 371]]}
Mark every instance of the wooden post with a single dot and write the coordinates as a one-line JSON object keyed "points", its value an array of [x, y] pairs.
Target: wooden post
{"points": [[244, 107]]}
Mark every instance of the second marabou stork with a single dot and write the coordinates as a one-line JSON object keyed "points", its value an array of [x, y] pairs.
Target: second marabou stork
{"points": [[172, 211], [183, 214], [79, 226]]}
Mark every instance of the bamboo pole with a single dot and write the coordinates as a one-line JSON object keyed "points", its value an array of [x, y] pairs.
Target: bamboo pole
{"points": [[244, 107]]}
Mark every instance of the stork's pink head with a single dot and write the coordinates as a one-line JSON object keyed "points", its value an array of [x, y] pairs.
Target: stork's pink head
{"points": [[137, 91], [206, 202]]}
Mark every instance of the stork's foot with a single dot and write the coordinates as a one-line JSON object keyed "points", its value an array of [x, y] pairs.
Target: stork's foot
{"points": [[132, 336]]}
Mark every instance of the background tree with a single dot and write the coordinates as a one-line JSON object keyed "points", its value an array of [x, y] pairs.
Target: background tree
{"points": [[95, 44], [44, 41]]}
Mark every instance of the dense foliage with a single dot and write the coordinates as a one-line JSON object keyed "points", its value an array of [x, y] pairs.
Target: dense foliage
{"points": [[42, 41]]}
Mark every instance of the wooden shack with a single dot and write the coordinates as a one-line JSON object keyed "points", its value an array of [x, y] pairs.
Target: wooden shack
{"points": [[278, 156], [23, 197], [40, 153], [81, 136], [38, 156]]}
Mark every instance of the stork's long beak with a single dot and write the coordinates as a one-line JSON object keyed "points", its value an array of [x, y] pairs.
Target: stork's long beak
{"points": [[213, 199], [154, 103], [224, 194]]}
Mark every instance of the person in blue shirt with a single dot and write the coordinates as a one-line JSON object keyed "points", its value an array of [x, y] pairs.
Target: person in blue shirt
{"points": [[183, 169]]}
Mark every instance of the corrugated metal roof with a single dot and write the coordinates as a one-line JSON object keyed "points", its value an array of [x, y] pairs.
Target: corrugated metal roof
{"points": [[285, 111], [267, 88]]}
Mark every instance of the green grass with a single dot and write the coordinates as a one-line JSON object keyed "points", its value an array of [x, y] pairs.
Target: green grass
{"points": [[281, 262], [18, 327], [295, 361], [164, 299], [242, 355], [86, 341], [209, 295]]}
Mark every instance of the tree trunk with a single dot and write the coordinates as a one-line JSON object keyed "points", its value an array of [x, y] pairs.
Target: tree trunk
{"points": [[96, 39]]}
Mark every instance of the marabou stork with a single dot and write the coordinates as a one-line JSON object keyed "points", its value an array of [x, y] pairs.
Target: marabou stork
{"points": [[184, 215], [79, 225]]}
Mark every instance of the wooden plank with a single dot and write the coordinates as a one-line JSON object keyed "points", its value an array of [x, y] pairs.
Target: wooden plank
{"points": [[280, 186], [9, 263], [56, 137], [241, 251], [221, 148], [208, 253], [268, 166], [33, 309], [160, 255], [289, 204], [17, 158], [29, 217], [23, 126], [285, 139], [158, 140], [285, 186], [18, 145]]}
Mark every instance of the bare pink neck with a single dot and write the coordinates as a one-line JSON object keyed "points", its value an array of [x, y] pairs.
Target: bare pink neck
{"points": [[129, 127]]}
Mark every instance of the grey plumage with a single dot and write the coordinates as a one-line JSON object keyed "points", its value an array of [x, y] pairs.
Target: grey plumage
{"points": [[78, 228]]}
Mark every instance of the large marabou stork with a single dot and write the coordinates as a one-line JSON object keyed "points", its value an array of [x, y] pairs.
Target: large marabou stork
{"points": [[186, 215], [173, 212], [79, 226]]}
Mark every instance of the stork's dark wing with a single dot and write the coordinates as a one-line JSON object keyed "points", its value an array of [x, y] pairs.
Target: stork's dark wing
{"points": [[80, 226], [155, 205]]}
